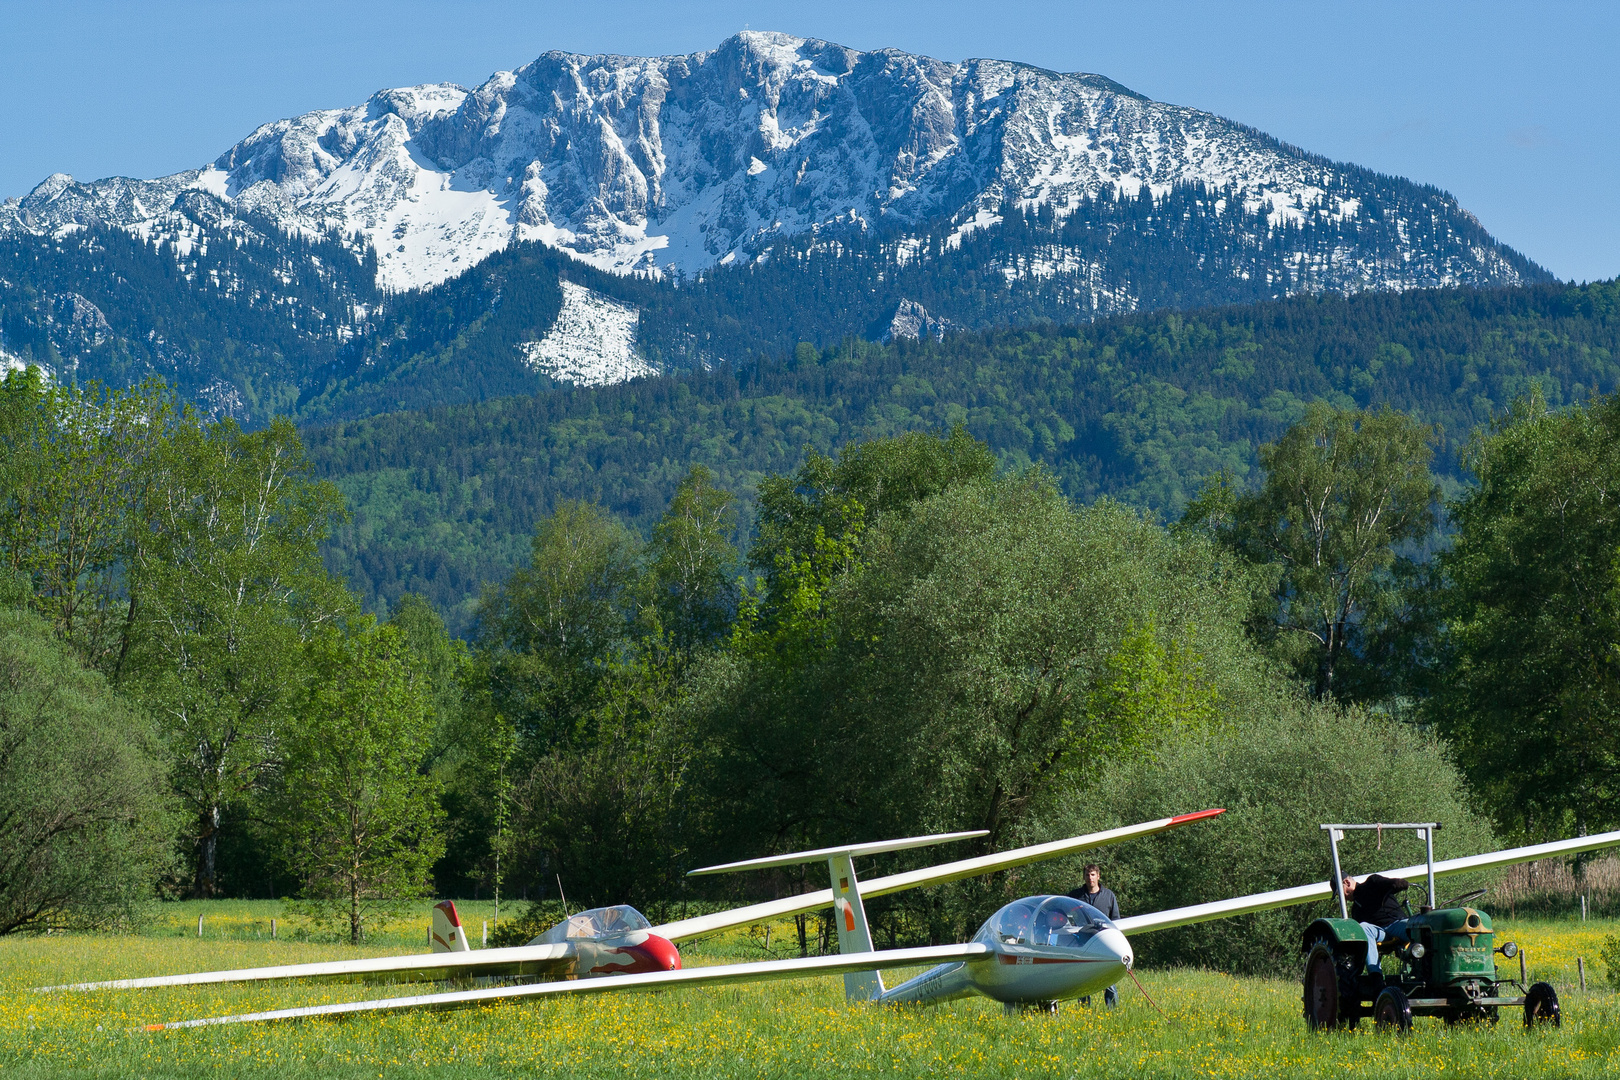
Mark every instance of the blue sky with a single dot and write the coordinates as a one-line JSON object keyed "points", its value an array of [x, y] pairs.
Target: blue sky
{"points": [[1512, 107]]}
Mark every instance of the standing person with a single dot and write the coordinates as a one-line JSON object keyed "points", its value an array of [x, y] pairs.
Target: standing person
{"points": [[1104, 900]]}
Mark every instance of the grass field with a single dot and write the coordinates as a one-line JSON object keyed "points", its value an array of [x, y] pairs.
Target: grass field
{"points": [[1216, 1026]]}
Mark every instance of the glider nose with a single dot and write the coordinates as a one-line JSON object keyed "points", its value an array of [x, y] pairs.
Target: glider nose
{"points": [[654, 954], [1111, 945]]}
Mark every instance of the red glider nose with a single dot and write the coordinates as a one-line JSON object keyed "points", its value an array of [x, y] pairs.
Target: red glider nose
{"points": [[654, 954]]}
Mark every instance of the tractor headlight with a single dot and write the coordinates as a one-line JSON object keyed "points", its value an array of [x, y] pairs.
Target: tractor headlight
{"points": [[1417, 951], [1509, 949]]}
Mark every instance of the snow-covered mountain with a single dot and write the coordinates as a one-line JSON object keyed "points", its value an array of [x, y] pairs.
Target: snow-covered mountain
{"points": [[683, 163]]}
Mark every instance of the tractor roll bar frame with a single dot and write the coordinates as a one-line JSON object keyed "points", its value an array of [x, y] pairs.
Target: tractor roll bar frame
{"points": [[1424, 830]]}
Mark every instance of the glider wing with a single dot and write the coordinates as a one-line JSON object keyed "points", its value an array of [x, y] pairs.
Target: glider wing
{"points": [[1323, 890], [718, 974], [420, 967]]}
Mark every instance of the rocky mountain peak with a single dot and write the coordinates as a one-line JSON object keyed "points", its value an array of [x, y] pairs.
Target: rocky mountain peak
{"points": [[678, 164], [912, 322]]}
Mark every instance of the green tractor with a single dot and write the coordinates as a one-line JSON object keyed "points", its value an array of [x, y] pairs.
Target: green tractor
{"points": [[1447, 962]]}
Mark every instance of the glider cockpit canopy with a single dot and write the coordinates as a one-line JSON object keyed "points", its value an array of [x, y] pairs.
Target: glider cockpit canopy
{"points": [[596, 923], [1062, 921]]}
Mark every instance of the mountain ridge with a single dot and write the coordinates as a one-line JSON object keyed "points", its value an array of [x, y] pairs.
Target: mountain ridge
{"points": [[678, 164]]}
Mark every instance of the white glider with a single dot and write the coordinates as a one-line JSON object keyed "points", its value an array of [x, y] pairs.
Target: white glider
{"points": [[619, 941]]}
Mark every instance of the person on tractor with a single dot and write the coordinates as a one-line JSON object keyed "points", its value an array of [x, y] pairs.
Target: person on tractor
{"points": [[1374, 906]]}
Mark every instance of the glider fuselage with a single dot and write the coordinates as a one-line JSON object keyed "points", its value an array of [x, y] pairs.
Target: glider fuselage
{"points": [[614, 940], [1041, 948]]}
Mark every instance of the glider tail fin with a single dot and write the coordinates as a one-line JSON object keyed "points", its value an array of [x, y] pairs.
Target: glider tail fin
{"points": [[854, 935], [849, 914], [448, 935]]}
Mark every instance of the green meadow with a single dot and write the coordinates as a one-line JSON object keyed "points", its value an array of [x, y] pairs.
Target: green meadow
{"points": [[1212, 1025]]}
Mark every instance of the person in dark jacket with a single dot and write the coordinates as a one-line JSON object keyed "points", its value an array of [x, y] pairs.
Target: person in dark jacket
{"points": [[1093, 893], [1104, 900], [1373, 904], [1373, 901]]}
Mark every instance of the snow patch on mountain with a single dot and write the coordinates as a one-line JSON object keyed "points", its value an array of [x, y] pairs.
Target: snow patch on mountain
{"points": [[221, 399], [77, 322], [592, 343]]}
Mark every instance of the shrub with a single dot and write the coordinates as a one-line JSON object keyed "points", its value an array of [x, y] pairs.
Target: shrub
{"points": [[1281, 771], [1609, 953], [84, 825]]}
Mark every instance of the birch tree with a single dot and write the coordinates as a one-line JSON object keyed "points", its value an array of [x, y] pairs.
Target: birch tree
{"points": [[1341, 492], [227, 584], [74, 467]]}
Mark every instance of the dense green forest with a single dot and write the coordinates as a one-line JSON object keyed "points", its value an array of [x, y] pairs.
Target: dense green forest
{"points": [[913, 637], [1139, 408]]}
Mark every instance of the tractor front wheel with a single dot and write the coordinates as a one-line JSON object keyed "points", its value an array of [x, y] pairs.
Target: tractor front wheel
{"points": [[1541, 1006], [1392, 1011]]}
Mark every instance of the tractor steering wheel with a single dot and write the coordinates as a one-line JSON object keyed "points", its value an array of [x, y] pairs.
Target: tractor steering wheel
{"points": [[1467, 896]]}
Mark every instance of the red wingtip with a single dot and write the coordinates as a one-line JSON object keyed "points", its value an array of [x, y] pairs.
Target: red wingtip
{"points": [[1182, 819], [449, 909]]}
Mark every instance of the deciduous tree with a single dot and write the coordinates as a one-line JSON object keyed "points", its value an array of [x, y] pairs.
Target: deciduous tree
{"points": [[999, 642], [84, 820], [1526, 673], [1340, 493], [550, 634], [227, 584], [692, 564], [359, 816], [75, 465]]}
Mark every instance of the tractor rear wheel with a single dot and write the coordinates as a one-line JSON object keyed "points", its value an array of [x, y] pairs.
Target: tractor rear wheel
{"points": [[1321, 988], [1392, 1011], [1541, 1006]]}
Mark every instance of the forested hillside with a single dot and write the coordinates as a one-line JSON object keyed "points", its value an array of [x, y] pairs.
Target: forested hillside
{"points": [[1191, 246], [234, 313], [253, 323], [1139, 408]]}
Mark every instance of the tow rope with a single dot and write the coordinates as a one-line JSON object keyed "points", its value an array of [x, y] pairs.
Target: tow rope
{"points": [[1147, 995]]}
